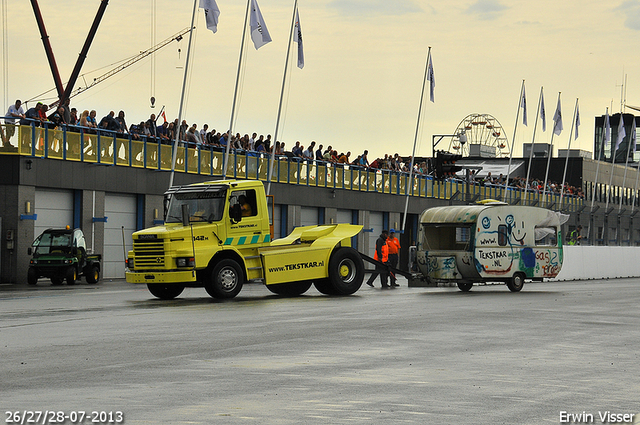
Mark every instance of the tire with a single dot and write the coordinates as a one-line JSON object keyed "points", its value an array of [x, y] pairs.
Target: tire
{"points": [[32, 276], [71, 276], [516, 283], [290, 289], [165, 291], [92, 275], [465, 286], [346, 271], [324, 287], [225, 281]]}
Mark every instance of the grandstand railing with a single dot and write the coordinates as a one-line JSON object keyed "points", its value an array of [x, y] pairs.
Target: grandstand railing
{"points": [[108, 148]]}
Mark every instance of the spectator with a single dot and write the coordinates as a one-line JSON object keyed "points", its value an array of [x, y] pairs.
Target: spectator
{"points": [[14, 111], [319, 156], [150, 126], [122, 124], [73, 117]]}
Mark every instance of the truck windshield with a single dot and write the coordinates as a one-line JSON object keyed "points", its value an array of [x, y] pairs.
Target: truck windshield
{"points": [[203, 206], [50, 242]]}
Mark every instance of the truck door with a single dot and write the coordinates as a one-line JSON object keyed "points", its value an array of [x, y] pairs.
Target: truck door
{"points": [[249, 231]]}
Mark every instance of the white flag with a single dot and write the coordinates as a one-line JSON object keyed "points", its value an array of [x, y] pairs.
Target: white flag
{"points": [[633, 137], [259, 32], [211, 13], [543, 113], [621, 135], [297, 37], [577, 121], [557, 120], [431, 77], [523, 105], [607, 130]]}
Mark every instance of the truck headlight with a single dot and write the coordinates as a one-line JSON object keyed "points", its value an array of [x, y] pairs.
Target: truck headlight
{"points": [[186, 262], [129, 263], [34, 261]]}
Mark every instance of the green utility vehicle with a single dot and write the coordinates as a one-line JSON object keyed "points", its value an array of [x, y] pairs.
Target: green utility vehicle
{"points": [[61, 254]]}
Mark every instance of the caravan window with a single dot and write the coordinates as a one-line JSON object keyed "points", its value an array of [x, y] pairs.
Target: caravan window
{"points": [[503, 235], [546, 236], [438, 237]]}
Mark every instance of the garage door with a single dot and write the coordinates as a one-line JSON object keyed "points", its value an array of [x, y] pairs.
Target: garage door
{"points": [[344, 216], [375, 222], [120, 211], [308, 216], [54, 209], [276, 221]]}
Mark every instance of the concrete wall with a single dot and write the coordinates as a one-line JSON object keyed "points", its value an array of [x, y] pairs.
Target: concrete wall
{"points": [[599, 262]]}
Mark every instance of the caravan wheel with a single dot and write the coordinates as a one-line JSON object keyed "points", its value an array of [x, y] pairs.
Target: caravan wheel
{"points": [[516, 283]]}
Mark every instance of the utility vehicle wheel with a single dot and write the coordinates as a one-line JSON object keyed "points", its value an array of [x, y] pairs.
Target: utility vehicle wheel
{"points": [[324, 286], [165, 291], [346, 271], [32, 276], [71, 276], [465, 287], [225, 280], [57, 281], [93, 275], [516, 283], [290, 289]]}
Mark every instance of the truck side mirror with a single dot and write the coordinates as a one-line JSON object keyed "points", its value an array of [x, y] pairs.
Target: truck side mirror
{"points": [[29, 251], [185, 214], [236, 213]]}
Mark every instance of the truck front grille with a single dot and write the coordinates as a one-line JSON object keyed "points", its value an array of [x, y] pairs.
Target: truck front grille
{"points": [[148, 253]]}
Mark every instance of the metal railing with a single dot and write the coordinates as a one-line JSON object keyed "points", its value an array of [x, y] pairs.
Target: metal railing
{"points": [[109, 148]]}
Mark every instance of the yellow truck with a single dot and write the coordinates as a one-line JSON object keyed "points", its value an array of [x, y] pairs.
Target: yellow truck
{"points": [[217, 235]]}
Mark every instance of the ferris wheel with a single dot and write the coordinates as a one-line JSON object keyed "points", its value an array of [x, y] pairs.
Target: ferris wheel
{"points": [[480, 129]]}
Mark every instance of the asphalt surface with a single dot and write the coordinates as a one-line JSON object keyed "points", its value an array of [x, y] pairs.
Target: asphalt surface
{"points": [[408, 355]]}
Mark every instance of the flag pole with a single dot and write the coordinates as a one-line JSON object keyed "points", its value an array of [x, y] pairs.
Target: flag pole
{"points": [[513, 141], [613, 163], [415, 139], [225, 164], [566, 161], [184, 86], [533, 140], [626, 164], [546, 174], [284, 79], [593, 189]]}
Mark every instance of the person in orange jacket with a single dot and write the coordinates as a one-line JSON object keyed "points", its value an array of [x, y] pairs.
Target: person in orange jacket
{"points": [[394, 249], [382, 255]]}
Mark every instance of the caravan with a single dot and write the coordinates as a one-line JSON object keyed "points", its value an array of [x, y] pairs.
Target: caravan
{"points": [[491, 242]]}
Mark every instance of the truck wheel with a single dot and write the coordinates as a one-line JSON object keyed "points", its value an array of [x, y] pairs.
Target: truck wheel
{"points": [[465, 287], [92, 275], [225, 280], [516, 283], [71, 276], [290, 289], [324, 286], [32, 276], [346, 271], [165, 291]]}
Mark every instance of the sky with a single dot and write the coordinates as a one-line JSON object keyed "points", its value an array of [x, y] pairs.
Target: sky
{"points": [[362, 81]]}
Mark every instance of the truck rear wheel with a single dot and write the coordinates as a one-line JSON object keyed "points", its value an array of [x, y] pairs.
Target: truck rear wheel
{"points": [[225, 280], [290, 289], [516, 283], [465, 286], [32, 276], [71, 276], [346, 271], [324, 286], [165, 291]]}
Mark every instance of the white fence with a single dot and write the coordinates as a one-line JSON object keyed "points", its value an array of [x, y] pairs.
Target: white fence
{"points": [[599, 262]]}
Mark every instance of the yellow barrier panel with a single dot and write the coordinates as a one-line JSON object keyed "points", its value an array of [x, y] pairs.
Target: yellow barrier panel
{"points": [[73, 146], [193, 157], [205, 162], [166, 158], [122, 151], [106, 150], [137, 153], [263, 168], [218, 160]]}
